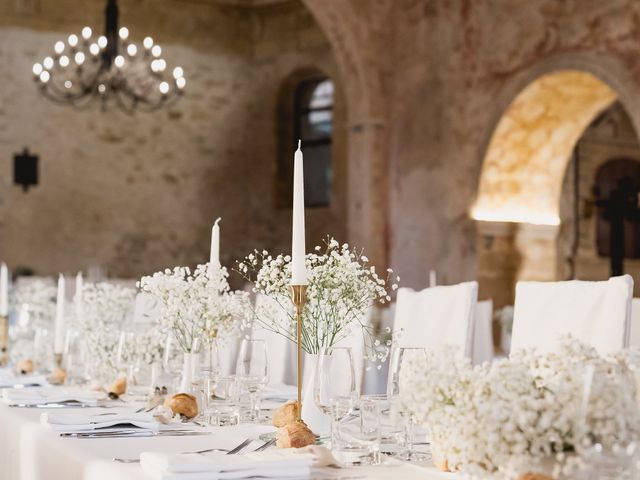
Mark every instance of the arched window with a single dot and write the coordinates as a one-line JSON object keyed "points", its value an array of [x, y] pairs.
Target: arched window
{"points": [[310, 103]]}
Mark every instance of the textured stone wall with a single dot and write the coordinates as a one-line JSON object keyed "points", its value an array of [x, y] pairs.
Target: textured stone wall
{"points": [[138, 193]]}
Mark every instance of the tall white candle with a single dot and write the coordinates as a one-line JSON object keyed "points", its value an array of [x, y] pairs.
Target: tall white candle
{"points": [[214, 259], [298, 267], [78, 296], [58, 346], [432, 278], [4, 290]]}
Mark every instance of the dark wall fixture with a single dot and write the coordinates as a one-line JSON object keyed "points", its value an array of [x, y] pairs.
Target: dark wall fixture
{"points": [[25, 169]]}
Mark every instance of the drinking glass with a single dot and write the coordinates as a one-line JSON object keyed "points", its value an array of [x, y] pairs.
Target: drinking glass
{"points": [[74, 358], [399, 358], [43, 349], [335, 386], [222, 402], [606, 458], [252, 372], [172, 362], [138, 375]]}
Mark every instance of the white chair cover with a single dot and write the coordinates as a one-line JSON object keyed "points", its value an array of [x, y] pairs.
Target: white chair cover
{"points": [[634, 340], [483, 333], [281, 351], [598, 313], [436, 316]]}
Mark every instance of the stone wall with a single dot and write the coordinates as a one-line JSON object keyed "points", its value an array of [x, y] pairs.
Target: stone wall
{"points": [[138, 193]]}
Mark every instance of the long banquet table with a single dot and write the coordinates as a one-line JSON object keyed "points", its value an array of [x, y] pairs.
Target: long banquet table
{"points": [[32, 451]]}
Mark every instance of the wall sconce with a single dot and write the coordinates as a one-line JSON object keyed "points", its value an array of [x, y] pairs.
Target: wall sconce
{"points": [[25, 169]]}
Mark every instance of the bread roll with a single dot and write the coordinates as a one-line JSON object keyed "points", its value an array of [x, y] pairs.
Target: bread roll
{"points": [[183, 403], [295, 435]]}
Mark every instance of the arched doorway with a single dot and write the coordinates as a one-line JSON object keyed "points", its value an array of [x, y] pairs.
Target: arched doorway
{"points": [[521, 182]]}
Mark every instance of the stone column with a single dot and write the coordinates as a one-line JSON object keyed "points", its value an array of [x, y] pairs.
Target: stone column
{"points": [[537, 248], [368, 190]]}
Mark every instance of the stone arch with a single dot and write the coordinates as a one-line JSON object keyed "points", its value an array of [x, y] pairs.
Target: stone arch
{"points": [[540, 115]]}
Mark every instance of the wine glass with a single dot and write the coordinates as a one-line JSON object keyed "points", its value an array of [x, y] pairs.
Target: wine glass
{"points": [[606, 456], [127, 361], [399, 358], [335, 386], [74, 358], [252, 371], [171, 363]]}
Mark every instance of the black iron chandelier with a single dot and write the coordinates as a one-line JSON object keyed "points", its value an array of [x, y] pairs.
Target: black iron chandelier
{"points": [[109, 69]]}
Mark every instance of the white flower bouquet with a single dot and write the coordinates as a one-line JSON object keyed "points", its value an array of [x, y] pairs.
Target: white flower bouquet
{"points": [[514, 415], [106, 308], [198, 305], [342, 286]]}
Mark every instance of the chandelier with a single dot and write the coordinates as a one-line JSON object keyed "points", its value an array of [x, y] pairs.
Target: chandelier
{"points": [[109, 69]]}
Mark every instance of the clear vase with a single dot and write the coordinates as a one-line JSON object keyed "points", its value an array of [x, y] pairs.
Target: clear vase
{"points": [[317, 421], [190, 372]]}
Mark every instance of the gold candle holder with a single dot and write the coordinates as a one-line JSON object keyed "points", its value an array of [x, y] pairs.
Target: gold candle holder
{"points": [[4, 341], [299, 298]]}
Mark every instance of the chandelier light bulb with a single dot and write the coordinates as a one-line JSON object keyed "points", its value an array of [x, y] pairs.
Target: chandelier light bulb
{"points": [[124, 33], [102, 88], [156, 51], [119, 61], [102, 41], [44, 76], [162, 65], [180, 82], [94, 49], [79, 58], [132, 50], [48, 63], [59, 47], [68, 84], [72, 40], [178, 72], [147, 42], [86, 33], [64, 61], [164, 88], [37, 69]]}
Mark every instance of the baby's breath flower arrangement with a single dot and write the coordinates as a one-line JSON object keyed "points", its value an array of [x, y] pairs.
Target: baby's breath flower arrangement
{"points": [[106, 308], [39, 299], [198, 305], [515, 415], [342, 287]]}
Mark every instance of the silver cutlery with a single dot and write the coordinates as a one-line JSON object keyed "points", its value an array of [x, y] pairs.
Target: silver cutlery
{"points": [[266, 445], [239, 447], [228, 452], [133, 434], [55, 405]]}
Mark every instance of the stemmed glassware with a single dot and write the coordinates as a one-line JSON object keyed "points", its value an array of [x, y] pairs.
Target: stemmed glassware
{"points": [[335, 387], [171, 363], [127, 361], [252, 372], [399, 358], [74, 358]]}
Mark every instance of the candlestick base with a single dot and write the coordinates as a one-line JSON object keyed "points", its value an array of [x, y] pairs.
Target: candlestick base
{"points": [[57, 360], [4, 341]]}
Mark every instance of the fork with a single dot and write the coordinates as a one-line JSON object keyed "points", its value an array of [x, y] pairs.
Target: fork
{"points": [[265, 445], [228, 452]]}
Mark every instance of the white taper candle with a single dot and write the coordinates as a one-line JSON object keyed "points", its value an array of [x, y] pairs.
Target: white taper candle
{"points": [[58, 345], [214, 258], [78, 297], [298, 266], [4, 290]]}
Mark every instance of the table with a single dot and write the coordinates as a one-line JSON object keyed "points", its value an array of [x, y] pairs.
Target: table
{"points": [[31, 451]]}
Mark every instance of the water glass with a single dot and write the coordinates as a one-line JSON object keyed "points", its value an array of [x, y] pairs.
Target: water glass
{"points": [[74, 359], [399, 358], [252, 373], [357, 441], [221, 401], [335, 386]]}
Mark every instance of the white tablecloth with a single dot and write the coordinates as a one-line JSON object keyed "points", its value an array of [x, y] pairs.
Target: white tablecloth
{"points": [[31, 451]]}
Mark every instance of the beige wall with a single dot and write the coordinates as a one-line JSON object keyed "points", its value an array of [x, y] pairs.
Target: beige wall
{"points": [[138, 193]]}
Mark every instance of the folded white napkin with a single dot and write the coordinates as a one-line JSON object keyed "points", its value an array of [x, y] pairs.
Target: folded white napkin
{"points": [[10, 380], [77, 422], [38, 395], [286, 463]]}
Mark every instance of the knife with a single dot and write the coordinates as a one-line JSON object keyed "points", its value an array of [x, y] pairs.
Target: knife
{"points": [[55, 405], [168, 433]]}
